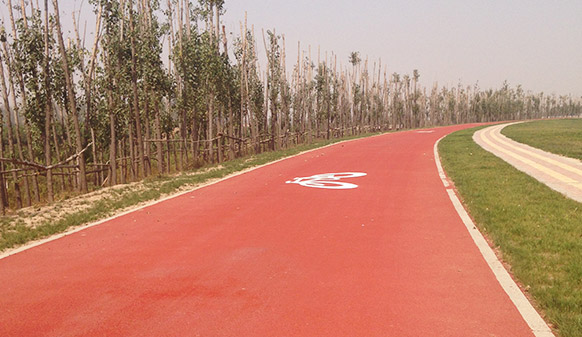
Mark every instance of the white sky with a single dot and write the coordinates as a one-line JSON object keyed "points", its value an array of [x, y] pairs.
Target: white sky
{"points": [[534, 43]]}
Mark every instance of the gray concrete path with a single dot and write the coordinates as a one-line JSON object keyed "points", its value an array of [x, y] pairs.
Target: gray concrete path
{"points": [[560, 173]]}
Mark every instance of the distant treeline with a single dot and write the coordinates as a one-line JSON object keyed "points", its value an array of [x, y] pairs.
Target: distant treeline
{"points": [[83, 114]]}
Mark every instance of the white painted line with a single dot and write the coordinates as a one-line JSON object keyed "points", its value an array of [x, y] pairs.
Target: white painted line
{"points": [[533, 319], [437, 160], [54, 237]]}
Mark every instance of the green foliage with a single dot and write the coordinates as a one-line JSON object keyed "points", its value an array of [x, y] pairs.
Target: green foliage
{"points": [[250, 76], [29, 61], [355, 58]]}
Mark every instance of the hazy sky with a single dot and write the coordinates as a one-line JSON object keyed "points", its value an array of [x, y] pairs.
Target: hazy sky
{"points": [[534, 43]]}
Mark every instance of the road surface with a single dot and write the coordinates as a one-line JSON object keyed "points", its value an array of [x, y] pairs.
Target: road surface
{"points": [[260, 254]]}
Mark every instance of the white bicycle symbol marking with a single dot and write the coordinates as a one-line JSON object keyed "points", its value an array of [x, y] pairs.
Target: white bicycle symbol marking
{"points": [[328, 180]]}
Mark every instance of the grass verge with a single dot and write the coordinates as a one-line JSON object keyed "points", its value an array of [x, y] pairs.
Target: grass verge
{"points": [[559, 136], [40, 222], [537, 230]]}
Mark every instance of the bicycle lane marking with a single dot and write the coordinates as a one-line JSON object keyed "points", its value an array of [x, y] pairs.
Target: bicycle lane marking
{"points": [[327, 180]]}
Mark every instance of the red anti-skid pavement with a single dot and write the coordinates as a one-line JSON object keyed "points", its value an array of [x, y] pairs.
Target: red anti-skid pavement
{"points": [[253, 256]]}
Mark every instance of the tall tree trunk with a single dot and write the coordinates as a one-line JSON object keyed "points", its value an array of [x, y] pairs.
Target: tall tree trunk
{"points": [[219, 132], [88, 77], [20, 77], [147, 149], [58, 153], [123, 168], [3, 194], [209, 130], [11, 76], [72, 100], [132, 159], [183, 134], [35, 185], [10, 135], [175, 154], [135, 105], [112, 150], [243, 86], [97, 180], [48, 107], [159, 143], [195, 137]]}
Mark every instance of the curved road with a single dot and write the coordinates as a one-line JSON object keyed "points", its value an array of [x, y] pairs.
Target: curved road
{"points": [[560, 173], [254, 255]]}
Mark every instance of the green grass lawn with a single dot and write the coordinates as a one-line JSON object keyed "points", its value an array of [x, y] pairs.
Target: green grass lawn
{"points": [[537, 230], [559, 136]]}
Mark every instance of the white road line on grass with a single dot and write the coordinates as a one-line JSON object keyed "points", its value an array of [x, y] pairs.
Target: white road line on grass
{"points": [[533, 319]]}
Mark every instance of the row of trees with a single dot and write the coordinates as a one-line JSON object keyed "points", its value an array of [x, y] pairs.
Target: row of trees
{"points": [[78, 117]]}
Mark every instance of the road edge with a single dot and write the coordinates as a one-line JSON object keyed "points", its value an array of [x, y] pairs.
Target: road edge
{"points": [[533, 319]]}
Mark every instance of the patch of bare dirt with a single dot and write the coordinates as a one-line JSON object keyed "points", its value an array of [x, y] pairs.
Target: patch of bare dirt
{"points": [[35, 216]]}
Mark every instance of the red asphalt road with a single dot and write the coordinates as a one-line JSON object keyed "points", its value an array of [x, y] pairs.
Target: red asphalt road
{"points": [[254, 256]]}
